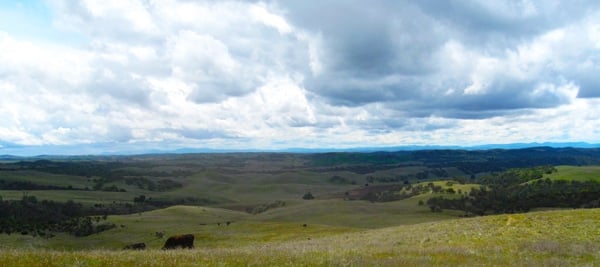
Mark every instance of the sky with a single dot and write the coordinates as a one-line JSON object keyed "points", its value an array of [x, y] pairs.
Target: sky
{"points": [[113, 76]]}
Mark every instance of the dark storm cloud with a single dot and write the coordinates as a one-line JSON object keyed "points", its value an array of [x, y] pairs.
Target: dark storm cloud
{"points": [[507, 95], [369, 38], [589, 86], [497, 25], [368, 45], [348, 90], [588, 81], [512, 19]]}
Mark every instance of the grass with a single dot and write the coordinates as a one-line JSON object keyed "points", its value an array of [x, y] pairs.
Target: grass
{"points": [[338, 232], [256, 187], [550, 238], [209, 225], [358, 214], [575, 173], [323, 217], [250, 179]]}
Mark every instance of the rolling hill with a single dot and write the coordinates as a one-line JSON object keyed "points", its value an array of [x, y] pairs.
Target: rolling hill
{"points": [[369, 208], [557, 238]]}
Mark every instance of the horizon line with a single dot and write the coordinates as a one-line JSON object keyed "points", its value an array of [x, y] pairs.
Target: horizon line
{"points": [[14, 151]]}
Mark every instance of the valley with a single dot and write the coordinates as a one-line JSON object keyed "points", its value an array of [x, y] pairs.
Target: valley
{"points": [[384, 208]]}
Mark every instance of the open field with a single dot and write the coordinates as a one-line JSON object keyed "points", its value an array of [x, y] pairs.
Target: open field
{"points": [[556, 238], [576, 173], [249, 209], [323, 217], [241, 180], [256, 178]]}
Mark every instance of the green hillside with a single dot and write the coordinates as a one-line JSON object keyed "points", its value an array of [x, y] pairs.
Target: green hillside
{"points": [[323, 217], [390, 209], [358, 214], [554, 238], [576, 173]]}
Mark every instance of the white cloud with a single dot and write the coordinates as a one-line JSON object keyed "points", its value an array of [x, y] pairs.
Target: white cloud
{"points": [[281, 74], [133, 14], [261, 14]]}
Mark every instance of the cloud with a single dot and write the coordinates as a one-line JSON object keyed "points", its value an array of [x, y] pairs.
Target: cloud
{"points": [[207, 64], [201, 134], [478, 58], [294, 73]]}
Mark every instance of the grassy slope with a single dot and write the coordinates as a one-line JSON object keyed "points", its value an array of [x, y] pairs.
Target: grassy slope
{"points": [[358, 214], [564, 238], [223, 187], [344, 222], [207, 224], [322, 216], [257, 187], [575, 173]]}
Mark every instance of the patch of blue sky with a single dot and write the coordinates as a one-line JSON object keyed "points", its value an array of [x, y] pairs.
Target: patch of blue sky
{"points": [[32, 20]]}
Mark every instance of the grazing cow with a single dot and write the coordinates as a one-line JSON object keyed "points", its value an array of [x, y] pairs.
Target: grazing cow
{"points": [[136, 246], [180, 241]]}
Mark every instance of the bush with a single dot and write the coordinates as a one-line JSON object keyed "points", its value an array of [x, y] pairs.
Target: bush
{"points": [[139, 199], [308, 196], [264, 207], [435, 208]]}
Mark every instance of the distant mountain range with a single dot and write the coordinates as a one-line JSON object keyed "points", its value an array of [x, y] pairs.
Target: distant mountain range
{"points": [[394, 148], [438, 147], [16, 153]]}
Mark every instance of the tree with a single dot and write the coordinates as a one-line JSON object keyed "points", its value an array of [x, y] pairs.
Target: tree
{"points": [[308, 196], [139, 199]]}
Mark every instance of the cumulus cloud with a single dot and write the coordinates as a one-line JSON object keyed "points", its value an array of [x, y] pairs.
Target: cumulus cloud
{"points": [[454, 57], [294, 73]]}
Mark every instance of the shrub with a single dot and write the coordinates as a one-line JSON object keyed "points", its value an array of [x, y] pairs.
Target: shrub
{"points": [[308, 196], [264, 207]]}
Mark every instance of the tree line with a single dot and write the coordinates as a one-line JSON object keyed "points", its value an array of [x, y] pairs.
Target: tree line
{"points": [[29, 216], [520, 190]]}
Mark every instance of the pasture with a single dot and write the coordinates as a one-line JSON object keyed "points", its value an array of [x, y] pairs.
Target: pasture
{"points": [[576, 173], [555, 238], [248, 209], [323, 217]]}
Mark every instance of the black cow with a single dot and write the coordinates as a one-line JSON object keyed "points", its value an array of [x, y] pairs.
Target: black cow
{"points": [[180, 241], [136, 246]]}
